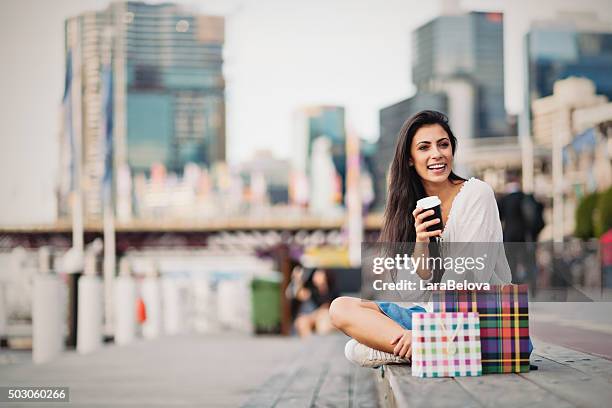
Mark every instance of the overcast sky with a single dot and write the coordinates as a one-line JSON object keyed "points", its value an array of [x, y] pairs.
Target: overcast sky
{"points": [[279, 55]]}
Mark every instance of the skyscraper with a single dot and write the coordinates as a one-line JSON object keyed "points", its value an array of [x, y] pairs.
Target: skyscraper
{"points": [[168, 88], [561, 50], [468, 48]]}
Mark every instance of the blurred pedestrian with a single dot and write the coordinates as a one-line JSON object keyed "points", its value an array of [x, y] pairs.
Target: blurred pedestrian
{"points": [[311, 295], [522, 221], [520, 213]]}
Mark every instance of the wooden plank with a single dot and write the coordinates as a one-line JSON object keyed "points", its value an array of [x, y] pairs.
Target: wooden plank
{"points": [[570, 384], [272, 388], [386, 397], [583, 362], [364, 393], [303, 389], [335, 389], [347, 385], [288, 382], [344, 384], [509, 390], [416, 392]]}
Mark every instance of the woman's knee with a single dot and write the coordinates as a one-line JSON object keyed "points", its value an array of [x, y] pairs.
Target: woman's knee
{"points": [[303, 321], [340, 311], [304, 325]]}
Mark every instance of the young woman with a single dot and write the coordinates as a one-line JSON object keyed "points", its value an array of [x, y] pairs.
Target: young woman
{"points": [[312, 297], [422, 166]]}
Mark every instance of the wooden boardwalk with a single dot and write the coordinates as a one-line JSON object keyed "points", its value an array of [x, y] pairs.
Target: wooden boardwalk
{"points": [[320, 376], [226, 370], [565, 378]]}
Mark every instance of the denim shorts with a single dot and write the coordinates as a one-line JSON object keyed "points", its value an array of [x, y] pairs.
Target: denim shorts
{"points": [[400, 315], [403, 315]]}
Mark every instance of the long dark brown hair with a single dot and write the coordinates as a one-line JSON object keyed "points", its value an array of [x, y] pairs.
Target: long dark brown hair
{"points": [[405, 185]]}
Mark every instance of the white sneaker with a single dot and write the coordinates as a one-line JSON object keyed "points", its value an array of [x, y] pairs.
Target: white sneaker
{"points": [[365, 356]]}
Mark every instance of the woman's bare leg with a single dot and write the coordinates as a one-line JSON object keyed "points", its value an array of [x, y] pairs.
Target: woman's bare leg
{"points": [[304, 325], [363, 321], [323, 324]]}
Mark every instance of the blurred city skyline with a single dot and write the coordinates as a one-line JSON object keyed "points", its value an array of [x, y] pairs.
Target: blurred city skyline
{"points": [[268, 77]]}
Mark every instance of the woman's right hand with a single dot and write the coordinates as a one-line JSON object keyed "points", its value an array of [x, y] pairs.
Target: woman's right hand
{"points": [[403, 345], [422, 235]]}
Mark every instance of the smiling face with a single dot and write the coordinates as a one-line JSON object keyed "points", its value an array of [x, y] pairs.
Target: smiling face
{"points": [[431, 153]]}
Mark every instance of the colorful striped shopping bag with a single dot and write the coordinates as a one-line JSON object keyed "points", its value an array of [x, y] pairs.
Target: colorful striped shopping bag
{"points": [[446, 345], [504, 324]]}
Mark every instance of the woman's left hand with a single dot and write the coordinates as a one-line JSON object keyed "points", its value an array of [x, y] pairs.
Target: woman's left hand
{"points": [[403, 344], [303, 294]]}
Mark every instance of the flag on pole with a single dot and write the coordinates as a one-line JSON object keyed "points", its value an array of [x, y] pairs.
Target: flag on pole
{"points": [[68, 146], [107, 131], [106, 139]]}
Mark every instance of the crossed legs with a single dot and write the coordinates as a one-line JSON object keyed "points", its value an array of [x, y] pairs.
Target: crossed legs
{"points": [[363, 321]]}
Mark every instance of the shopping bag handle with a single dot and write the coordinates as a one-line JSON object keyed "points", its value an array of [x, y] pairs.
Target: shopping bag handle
{"points": [[450, 345]]}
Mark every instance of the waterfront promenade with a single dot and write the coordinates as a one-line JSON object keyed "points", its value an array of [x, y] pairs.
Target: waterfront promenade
{"points": [[184, 371], [232, 369]]}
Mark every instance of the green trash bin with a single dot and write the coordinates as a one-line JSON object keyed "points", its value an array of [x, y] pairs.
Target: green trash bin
{"points": [[266, 304]]}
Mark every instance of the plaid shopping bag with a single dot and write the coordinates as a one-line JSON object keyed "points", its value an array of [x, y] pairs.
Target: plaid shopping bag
{"points": [[504, 324], [446, 345]]}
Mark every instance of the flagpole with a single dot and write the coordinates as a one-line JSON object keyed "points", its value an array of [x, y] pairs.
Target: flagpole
{"points": [[78, 242], [106, 137], [72, 263]]}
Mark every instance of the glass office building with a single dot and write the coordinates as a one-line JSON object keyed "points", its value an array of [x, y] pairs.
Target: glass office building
{"points": [[555, 53], [175, 87], [470, 47], [168, 88]]}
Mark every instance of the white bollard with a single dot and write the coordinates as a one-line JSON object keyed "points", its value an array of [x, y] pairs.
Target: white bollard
{"points": [[151, 296], [89, 321], [90, 308], [233, 304], [206, 319], [172, 305], [47, 325], [125, 309], [225, 302]]}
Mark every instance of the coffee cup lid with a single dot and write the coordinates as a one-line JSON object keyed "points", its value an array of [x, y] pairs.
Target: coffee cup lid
{"points": [[428, 202]]}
